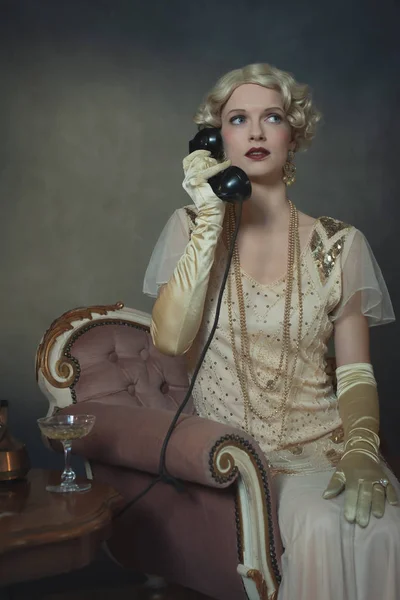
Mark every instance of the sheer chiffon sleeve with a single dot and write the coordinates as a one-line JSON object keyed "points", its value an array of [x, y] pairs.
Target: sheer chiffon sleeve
{"points": [[363, 286], [168, 250]]}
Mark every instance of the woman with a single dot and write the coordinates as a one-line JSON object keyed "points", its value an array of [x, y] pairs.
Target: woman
{"points": [[294, 282]]}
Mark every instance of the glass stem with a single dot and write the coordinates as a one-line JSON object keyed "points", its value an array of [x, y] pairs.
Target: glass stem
{"points": [[68, 475]]}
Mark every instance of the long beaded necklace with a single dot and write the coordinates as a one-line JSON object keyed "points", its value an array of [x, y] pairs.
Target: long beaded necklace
{"points": [[243, 362]]}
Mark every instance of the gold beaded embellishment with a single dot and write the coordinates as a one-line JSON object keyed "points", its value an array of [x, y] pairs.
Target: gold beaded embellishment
{"points": [[325, 258], [332, 226], [191, 215]]}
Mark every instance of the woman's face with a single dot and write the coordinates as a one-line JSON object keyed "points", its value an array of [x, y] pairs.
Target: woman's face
{"points": [[257, 137]]}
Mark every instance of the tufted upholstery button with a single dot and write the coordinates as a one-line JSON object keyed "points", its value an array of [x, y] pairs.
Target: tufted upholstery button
{"points": [[144, 354], [164, 387], [113, 357], [131, 389]]}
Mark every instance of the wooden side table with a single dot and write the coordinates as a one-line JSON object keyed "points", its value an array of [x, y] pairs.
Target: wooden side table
{"points": [[44, 534]]}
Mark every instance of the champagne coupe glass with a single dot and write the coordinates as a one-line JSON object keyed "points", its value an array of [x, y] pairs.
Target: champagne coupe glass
{"points": [[66, 428]]}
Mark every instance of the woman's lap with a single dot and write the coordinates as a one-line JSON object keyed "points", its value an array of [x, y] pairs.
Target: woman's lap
{"points": [[327, 557]]}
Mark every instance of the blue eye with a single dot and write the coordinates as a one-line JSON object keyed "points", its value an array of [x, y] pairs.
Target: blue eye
{"points": [[275, 116], [272, 118], [237, 120]]}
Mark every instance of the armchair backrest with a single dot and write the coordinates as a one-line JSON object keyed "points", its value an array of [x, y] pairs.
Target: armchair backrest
{"points": [[106, 353]]}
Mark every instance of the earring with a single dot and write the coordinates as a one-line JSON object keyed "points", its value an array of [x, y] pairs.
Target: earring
{"points": [[289, 169]]}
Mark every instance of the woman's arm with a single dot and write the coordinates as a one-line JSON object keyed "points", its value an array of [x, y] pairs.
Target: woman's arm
{"points": [[178, 310], [359, 472], [351, 335]]}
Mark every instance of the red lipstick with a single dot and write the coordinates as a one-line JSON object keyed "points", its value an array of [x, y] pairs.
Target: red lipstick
{"points": [[257, 153]]}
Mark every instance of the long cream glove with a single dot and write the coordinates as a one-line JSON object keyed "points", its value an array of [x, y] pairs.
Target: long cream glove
{"points": [[178, 310], [360, 472]]}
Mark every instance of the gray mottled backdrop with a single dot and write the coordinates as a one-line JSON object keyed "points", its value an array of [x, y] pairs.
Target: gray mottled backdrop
{"points": [[96, 103]]}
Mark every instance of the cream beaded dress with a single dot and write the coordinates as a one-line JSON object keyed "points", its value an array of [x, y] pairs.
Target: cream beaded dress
{"points": [[336, 262], [325, 556]]}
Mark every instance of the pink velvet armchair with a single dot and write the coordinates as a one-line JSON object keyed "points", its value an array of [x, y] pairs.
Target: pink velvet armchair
{"points": [[219, 535]]}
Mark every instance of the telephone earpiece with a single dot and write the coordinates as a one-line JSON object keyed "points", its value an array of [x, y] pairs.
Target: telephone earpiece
{"points": [[231, 185]]}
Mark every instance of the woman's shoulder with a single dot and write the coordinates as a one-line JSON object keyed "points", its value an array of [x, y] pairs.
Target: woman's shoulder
{"points": [[332, 235], [328, 240], [187, 216], [328, 231], [333, 227], [330, 226], [190, 211]]}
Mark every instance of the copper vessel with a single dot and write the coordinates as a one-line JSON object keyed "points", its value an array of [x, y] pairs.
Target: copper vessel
{"points": [[14, 459]]}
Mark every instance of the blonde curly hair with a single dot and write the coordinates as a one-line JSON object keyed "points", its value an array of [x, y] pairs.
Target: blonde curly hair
{"points": [[297, 102]]}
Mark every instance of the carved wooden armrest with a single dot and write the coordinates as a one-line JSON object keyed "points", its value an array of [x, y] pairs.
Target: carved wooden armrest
{"points": [[259, 541], [57, 371]]}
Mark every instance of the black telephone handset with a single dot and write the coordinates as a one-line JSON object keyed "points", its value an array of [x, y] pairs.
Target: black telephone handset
{"points": [[232, 184]]}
